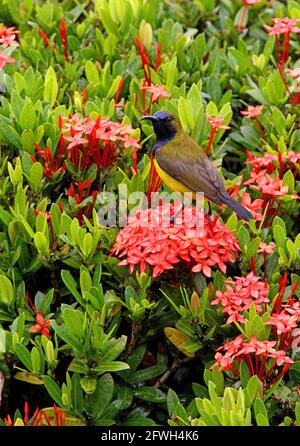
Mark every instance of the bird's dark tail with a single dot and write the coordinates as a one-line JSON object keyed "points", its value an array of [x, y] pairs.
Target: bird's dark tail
{"points": [[240, 210]]}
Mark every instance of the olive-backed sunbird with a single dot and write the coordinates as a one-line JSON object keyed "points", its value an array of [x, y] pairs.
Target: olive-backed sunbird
{"points": [[183, 166]]}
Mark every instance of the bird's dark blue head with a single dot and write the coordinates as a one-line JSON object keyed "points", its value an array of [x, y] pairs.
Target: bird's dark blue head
{"points": [[165, 125]]}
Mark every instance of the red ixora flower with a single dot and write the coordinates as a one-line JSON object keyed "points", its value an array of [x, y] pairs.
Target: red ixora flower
{"points": [[261, 357], [8, 36], [49, 416], [150, 239], [157, 92], [253, 113], [5, 59], [41, 325], [270, 186], [216, 124], [240, 294], [254, 206], [266, 248], [51, 163], [99, 141], [283, 26]]}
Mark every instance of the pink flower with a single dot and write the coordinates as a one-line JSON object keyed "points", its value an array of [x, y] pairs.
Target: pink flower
{"points": [[262, 162], [266, 248], [295, 74], [5, 59], [157, 91], [99, 141], [273, 187], [150, 239], [216, 123], [8, 36], [254, 206], [252, 112], [75, 140], [284, 322], [240, 294], [283, 26], [258, 355]]}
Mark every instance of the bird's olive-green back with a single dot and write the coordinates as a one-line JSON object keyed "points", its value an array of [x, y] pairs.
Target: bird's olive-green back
{"points": [[184, 160]]}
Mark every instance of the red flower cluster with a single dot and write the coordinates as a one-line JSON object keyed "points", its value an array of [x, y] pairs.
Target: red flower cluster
{"points": [[83, 192], [99, 142], [50, 164], [272, 189], [240, 294], [85, 142], [59, 418], [150, 239], [8, 36], [261, 357], [285, 317], [269, 160], [285, 27]]}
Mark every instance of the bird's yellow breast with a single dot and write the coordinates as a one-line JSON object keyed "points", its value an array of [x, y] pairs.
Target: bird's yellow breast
{"points": [[169, 181]]}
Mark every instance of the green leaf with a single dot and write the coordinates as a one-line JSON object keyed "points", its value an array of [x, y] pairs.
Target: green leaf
{"points": [[6, 291], [111, 366], [172, 401], [74, 320], [253, 248], [257, 328], [254, 388], [35, 360], [289, 180], [53, 389], [41, 243], [36, 176], [88, 383], [51, 86], [244, 374], [147, 373], [150, 394], [28, 116], [91, 72], [262, 420], [24, 356], [279, 234], [71, 284], [10, 134], [102, 396]]}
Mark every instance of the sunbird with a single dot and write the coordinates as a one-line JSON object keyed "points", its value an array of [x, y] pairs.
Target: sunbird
{"points": [[183, 165]]}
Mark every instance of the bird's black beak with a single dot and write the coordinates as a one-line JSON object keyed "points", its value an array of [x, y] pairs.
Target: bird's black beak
{"points": [[149, 117]]}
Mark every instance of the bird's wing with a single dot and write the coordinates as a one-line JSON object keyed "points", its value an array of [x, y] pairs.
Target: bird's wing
{"points": [[185, 162]]}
